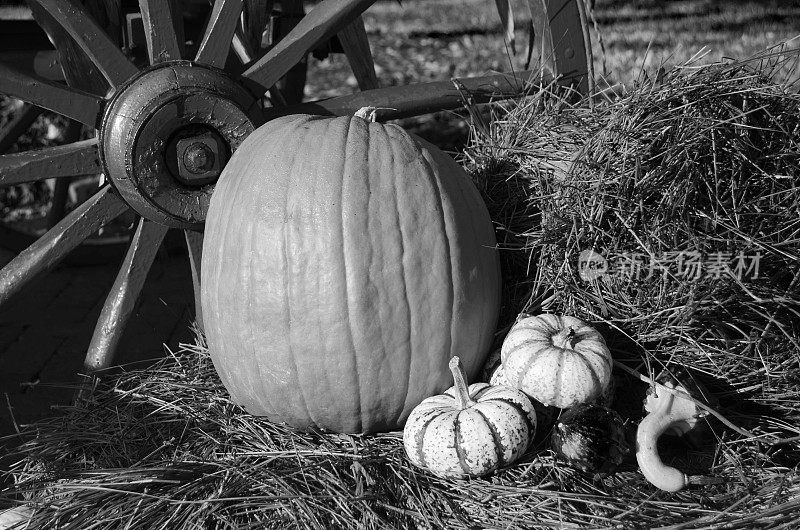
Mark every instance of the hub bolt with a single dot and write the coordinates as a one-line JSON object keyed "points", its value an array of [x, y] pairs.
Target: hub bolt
{"points": [[200, 159]]}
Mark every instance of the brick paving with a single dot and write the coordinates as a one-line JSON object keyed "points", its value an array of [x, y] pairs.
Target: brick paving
{"points": [[45, 330]]}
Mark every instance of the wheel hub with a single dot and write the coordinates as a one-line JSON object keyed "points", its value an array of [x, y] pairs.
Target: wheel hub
{"points": [[167, 134]]}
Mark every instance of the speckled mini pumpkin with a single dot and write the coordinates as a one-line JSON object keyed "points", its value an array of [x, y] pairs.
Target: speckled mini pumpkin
{"points": [[468, 432], [560, 361], [498, 377]]}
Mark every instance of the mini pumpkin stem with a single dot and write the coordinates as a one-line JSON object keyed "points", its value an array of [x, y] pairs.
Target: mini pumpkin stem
{"points": [[460, 383], [565, 338]]}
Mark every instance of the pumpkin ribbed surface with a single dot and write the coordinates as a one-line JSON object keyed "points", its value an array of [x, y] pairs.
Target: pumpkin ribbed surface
{"points": [[454, 442], [344, 263], [558, 360]]}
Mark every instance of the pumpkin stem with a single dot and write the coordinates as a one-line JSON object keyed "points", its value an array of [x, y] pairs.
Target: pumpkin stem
{"points": [[367, 113], [460, 383], [370, 113], [565, 339]]}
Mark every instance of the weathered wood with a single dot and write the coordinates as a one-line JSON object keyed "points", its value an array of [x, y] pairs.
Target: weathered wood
{"points": [[52, 247], [290, 89], [108, 15], [257, 15], [159, 29], [356, 47], [245, 55], [325, 20], [78, 69], [70, 102], [542, 38], [176, 8], [22, 120], [121, 300], [584, 49], [507, 20], [141, 171], [560, 40], [241, 49], [422, 98], [194, 243], [92, 39], [80, 73], [44, 64], [216, 43], [58, 203], [71, 160]]}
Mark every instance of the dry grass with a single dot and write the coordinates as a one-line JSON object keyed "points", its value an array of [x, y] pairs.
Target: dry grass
{"points": [[164, 447], [701, 164]]}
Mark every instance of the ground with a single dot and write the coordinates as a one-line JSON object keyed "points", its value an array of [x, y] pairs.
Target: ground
{"points": [[45, 330]]}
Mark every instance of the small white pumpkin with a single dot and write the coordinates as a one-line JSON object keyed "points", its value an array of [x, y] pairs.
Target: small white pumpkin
{"points": [[469, 432], [498, 377], [559, 361]]}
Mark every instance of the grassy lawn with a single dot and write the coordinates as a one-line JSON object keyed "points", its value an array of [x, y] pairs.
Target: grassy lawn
{"points": [[427, 40], [424, 40], [674, 31]]}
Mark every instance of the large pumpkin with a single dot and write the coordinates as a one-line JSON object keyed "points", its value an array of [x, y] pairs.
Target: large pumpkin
{"points": [[344, 263]]}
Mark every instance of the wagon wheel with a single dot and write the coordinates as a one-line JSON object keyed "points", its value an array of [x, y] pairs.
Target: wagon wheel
{"points": [[164, 132], [69, 63], [17, 233]]}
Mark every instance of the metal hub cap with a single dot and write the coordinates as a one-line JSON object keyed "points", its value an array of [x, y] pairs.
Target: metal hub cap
{"points": [[167, 134]]}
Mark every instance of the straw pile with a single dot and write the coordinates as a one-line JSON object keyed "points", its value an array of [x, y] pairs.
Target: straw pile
{"points": [[699, 160]]}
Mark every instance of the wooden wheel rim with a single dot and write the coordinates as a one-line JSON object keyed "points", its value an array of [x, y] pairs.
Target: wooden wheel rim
{"points": [[137, 127]]}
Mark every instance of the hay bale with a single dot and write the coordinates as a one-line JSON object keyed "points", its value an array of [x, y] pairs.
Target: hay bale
{"points": [[687, 189], [699, 160]]}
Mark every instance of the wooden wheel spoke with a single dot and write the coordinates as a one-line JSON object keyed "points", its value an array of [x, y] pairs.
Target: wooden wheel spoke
{"points": [[76, 104], [79, 158], [563, 41], [60, 196], [160, 19], [58, 203], [356, 46], [325, 20], [94, 42], [420, 98], [217, 40], [15, 128], [542, 42], [52, 247], [194, 242], [77, 68], [45, 63], [122, 298], [256, 18]]}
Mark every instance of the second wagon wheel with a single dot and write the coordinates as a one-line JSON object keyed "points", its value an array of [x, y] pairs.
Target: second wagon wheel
{"points": [[165, 131], [43, 204]]}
